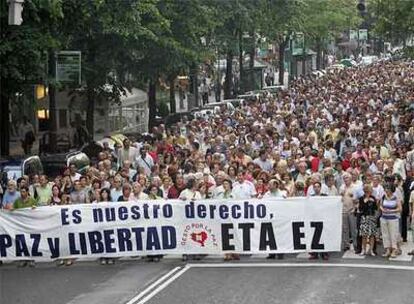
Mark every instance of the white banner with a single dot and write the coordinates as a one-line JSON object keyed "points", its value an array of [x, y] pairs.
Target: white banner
{"points": [[172, 227]]}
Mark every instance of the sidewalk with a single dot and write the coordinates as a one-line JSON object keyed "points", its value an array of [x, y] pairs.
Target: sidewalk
{"points": [[17, 150]]}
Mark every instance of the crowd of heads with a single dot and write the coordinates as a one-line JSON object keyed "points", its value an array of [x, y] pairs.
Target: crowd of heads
{"points": [[355, 124]]}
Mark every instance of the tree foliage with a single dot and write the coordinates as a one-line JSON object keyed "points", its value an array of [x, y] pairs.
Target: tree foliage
{"points": [[138, 42], [394, 19]]}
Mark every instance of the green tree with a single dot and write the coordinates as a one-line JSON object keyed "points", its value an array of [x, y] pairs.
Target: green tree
{"points": [[394, 19], [325, 19], [190, 26], [23, 54], [111, 36], [236, 18], [281, 18]]}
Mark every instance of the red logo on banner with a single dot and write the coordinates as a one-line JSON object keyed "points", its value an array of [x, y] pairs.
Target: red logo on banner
{"points": [[200, 237], [199, 233]]}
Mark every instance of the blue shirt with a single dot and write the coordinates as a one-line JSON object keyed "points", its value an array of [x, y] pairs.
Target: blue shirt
{"points": [[10, 198]]}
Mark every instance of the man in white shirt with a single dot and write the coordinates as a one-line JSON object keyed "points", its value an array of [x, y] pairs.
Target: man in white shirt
{"points": [[264, 163], [126, 153], [145, 161], [74, 176], [316, 178], [116, 190], [242, 188]]}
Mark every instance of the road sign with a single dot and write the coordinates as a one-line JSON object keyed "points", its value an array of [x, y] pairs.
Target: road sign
{"points": [[363, 35], [353, 35], [298, 43], [68, 67]]}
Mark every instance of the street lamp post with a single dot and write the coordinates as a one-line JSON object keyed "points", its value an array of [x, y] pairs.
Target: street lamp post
{"points": [[218, 88]]}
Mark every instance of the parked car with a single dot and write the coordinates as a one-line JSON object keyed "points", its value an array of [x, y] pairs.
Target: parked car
{"points": [[15, 168], [367, 60], [203, 114], [54, 163], [273, 89], [178, 117], [249, 97]]}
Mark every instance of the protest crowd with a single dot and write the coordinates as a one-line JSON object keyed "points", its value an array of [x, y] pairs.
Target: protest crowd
{"points": [[349, 133]]}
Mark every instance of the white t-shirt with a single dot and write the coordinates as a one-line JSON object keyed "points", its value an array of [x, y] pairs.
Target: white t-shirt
{"points": [[75, 177], [378, 192], [278, 193], [244, 190], [141, 196], [188, 194], [324, 190], [146, 163], [264, 165]]}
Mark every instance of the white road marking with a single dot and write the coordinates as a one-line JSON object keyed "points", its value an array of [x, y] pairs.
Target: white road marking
{"points": [[162, 286], [150, 287], [259, 256], [252, 265]]}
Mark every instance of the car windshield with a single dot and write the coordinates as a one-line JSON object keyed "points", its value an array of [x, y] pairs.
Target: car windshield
{"points": [[32, 166], [13, 172], [81, 160]]}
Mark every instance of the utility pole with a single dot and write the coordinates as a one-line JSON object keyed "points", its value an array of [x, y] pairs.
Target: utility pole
{"points": [[52, 103], [14, 18]]}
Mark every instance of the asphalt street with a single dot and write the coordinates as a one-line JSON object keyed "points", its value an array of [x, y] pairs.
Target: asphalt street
{"points": [[251, 280], [82, 283], [293, 285]]}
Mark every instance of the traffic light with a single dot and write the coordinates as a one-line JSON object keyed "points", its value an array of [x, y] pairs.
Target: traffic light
{"points": [[41, 91], [361, 6]]}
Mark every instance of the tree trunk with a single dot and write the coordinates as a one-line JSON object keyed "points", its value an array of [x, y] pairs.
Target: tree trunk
{"points": [[228, 83], [304, 58], [252, 50], [52, 105], [152, 103], [90, 111], [173, 107], [195, 84], [282, 46], [4, 121], [241, 69]]}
